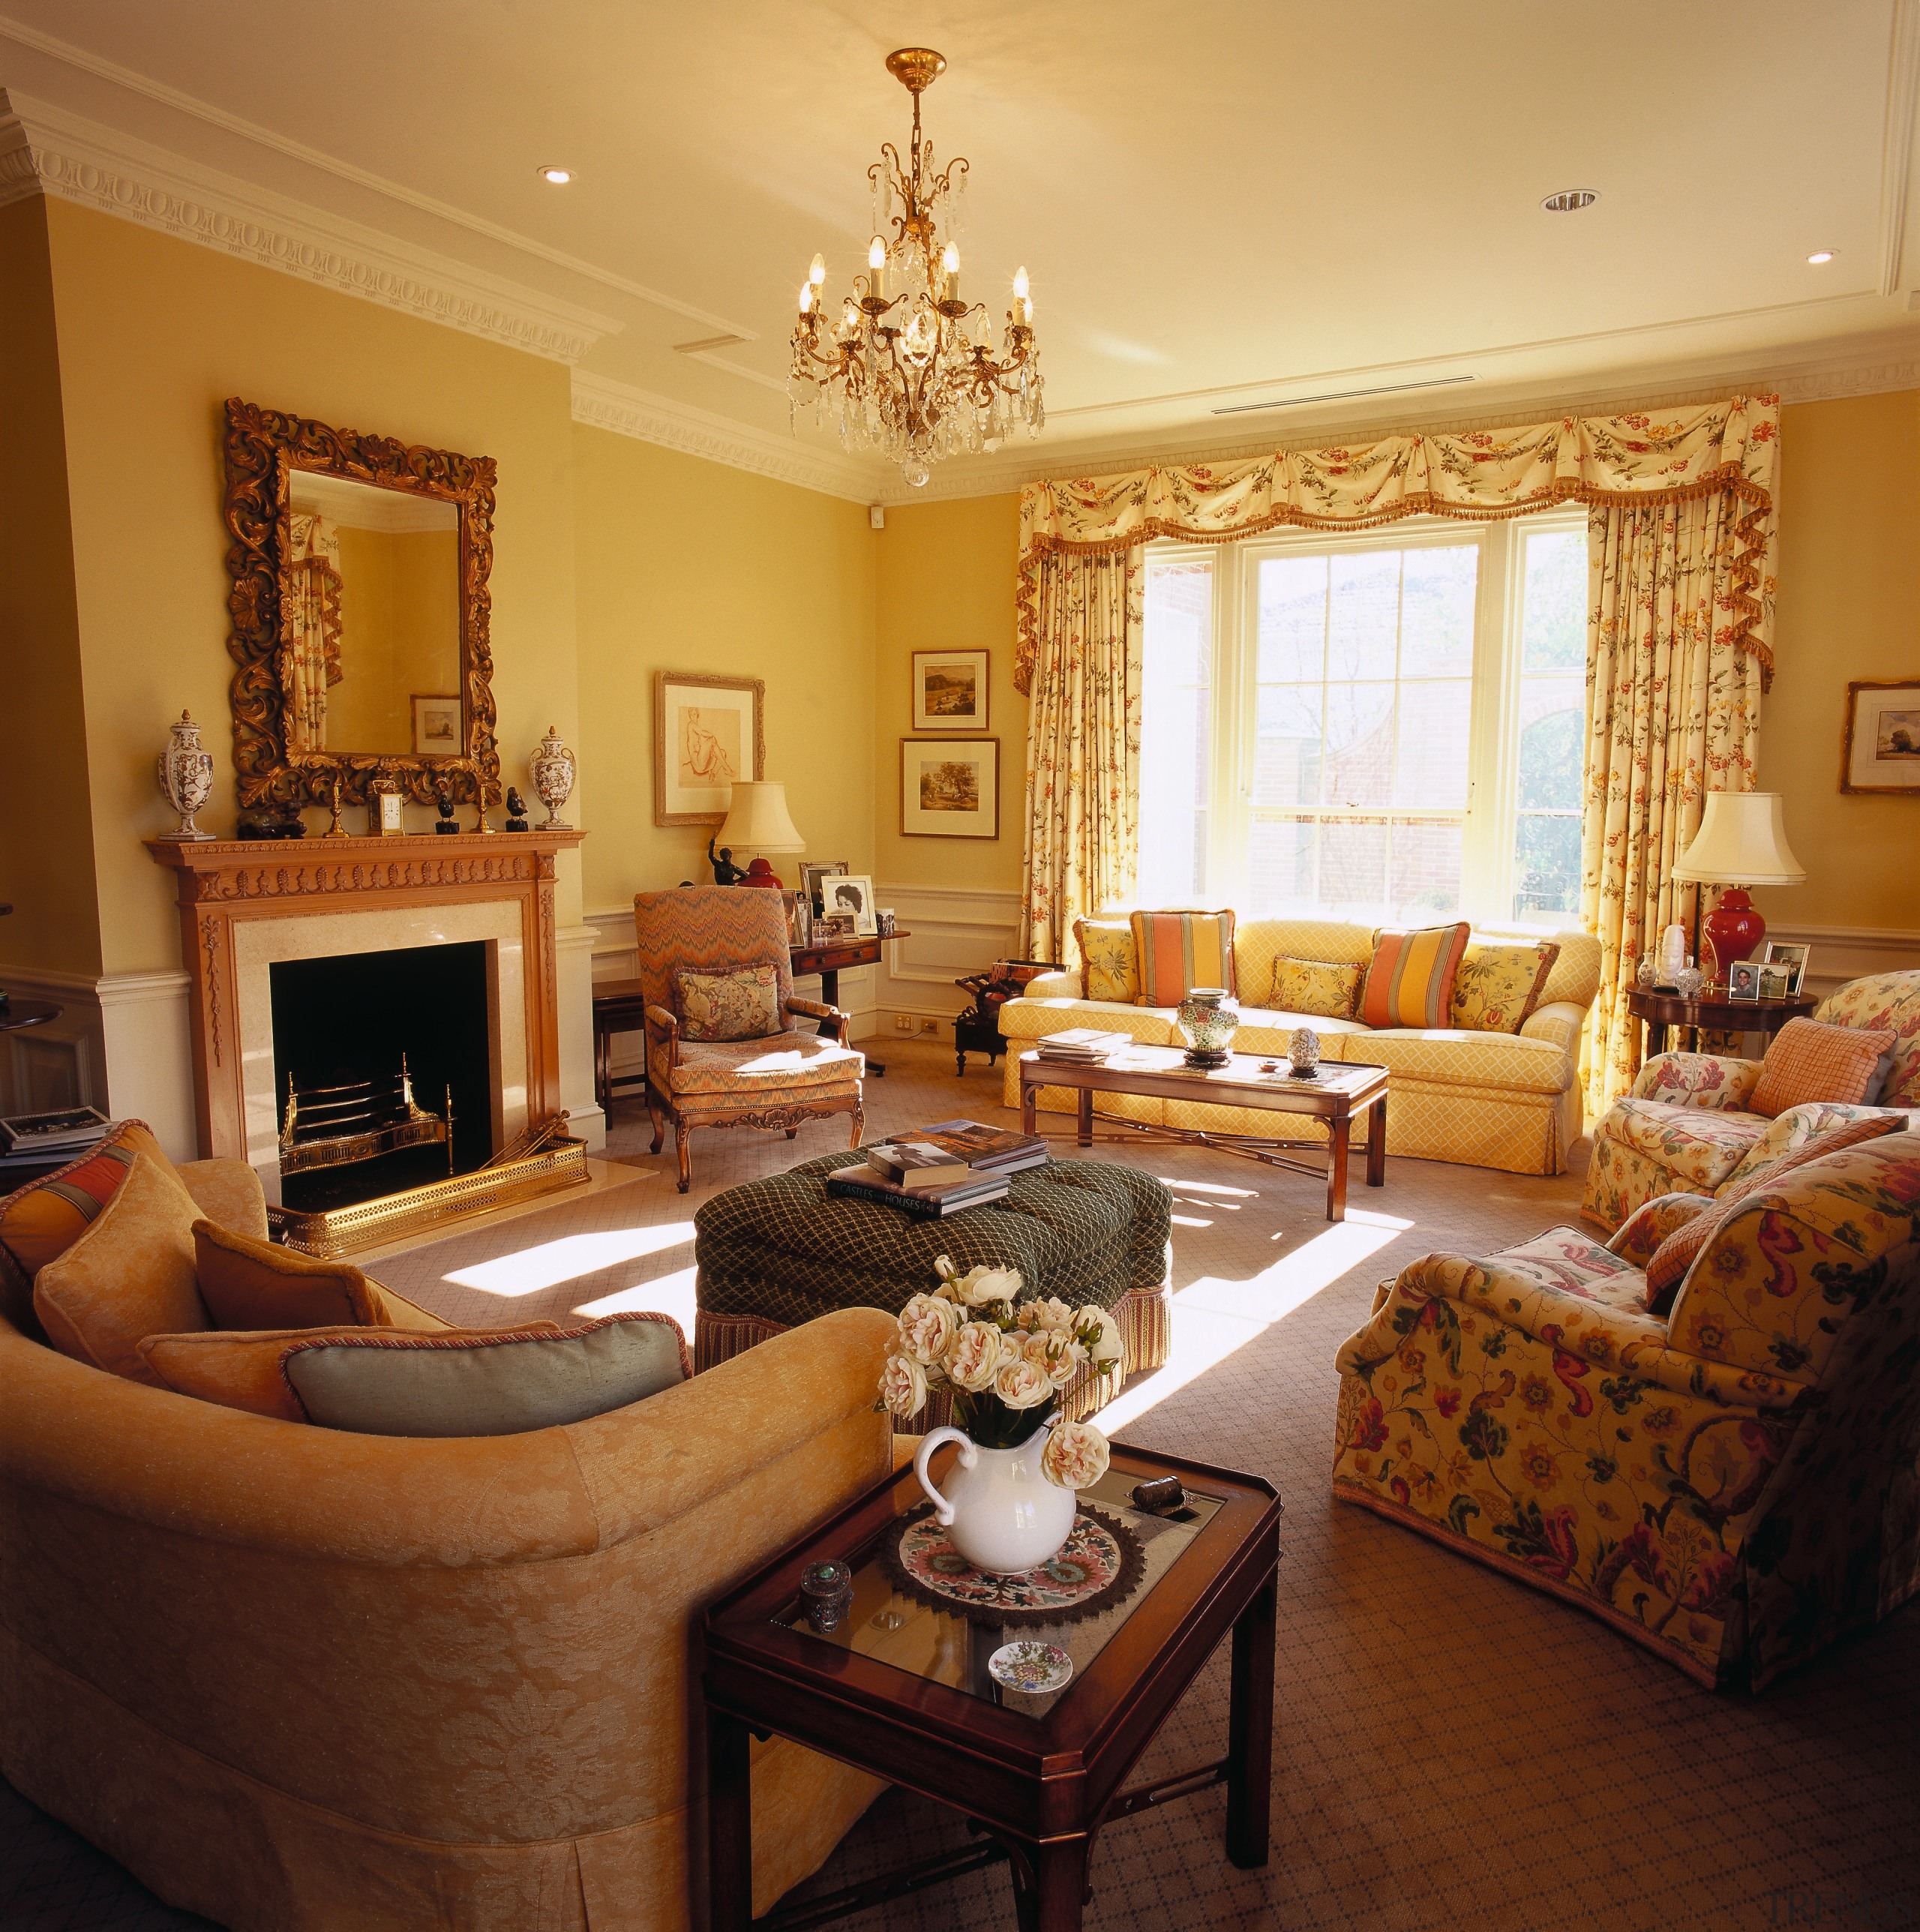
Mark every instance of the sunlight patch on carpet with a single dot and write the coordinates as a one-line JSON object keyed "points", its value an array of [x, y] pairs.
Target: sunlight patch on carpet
{"points": [[528, 1270], [665, 1295]]}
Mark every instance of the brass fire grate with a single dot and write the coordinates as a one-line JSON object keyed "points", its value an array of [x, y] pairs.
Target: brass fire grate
{"points": [[543, 1159]]}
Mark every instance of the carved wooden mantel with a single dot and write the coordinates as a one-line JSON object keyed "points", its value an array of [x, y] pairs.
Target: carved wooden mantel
{"points": [[223, 882]]}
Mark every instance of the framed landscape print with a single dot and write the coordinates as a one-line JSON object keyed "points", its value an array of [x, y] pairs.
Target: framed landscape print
{"points": [[1880, 746], [950, 690], [436, 727], [949, 787], [707, 734]]}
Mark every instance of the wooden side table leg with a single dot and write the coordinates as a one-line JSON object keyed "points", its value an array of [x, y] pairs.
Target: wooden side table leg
{"points": [[1029, 1093], [1338, 1133], [730, 1824], [1060, 1889], [1250, 1732], [1084, 1118], [1376, 1145]]}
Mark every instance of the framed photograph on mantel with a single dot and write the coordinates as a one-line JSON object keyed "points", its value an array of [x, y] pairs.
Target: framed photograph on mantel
{"points": [[949, 787], [707, 734], [950, 690], [1880, 746]]}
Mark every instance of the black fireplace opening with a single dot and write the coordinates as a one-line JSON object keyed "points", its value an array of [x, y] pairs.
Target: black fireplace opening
{"points": [[383, 1072]]}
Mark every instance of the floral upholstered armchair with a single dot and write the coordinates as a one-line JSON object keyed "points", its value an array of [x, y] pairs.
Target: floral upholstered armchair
{"points": [[1687, 1127], [1733, 1484], [722, 1050]]}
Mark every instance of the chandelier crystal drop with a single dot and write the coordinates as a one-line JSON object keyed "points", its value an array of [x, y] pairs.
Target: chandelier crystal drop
{"points": [[903, 366]]}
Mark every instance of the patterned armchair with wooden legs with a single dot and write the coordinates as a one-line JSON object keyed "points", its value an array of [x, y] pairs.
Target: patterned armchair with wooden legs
{"points": [[782, 1079]]}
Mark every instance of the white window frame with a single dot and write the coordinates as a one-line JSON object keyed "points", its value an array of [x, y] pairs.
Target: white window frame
{"points": [[1490, 818]]}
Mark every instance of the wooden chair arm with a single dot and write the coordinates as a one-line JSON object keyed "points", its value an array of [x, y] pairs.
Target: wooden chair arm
{"points": [[668, 1028], [813, 1009]]}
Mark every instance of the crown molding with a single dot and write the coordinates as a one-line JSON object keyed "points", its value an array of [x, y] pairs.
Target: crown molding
{"points": [[649, 417], [46, 150]]}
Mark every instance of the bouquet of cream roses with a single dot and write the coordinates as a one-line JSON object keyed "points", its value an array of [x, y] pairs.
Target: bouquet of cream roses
{"points": [[1005, 1362]]}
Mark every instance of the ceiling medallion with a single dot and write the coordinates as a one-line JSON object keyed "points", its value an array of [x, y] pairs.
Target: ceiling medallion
{"points": [[909, 369]]}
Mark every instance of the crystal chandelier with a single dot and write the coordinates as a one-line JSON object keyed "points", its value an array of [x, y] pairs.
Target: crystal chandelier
{"points": [[909, 369]]}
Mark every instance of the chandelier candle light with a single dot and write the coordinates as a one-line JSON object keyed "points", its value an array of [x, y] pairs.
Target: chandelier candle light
{"points": [[910, 369]]}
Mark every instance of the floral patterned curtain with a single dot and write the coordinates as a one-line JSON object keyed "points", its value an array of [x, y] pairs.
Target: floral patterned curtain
{"points": [[1083, 746], [1673, 713], [310, 624]]}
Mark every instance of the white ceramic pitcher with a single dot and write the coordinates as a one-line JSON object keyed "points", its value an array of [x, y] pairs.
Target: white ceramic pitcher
{"points": [[1002, 1513]]}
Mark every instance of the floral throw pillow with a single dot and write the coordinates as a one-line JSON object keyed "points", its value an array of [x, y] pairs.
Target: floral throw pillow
{"points": [[1497, 987], [737, 1003], [1110, 968], [1321, 987]]}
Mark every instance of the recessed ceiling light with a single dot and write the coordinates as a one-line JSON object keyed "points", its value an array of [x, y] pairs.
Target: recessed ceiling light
{"points": [[1571, 200], [1821, 256], [558, 177]]}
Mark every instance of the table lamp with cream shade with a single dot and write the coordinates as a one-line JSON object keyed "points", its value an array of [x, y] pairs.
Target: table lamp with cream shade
{"points": [[757, 821], [1741, 842]]}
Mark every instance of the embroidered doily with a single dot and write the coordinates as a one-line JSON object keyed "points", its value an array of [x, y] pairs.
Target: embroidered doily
{"points": [[1100, 1564]]}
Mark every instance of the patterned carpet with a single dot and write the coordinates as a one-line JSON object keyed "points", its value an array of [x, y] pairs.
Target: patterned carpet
{"points": [[1449, 1748]]}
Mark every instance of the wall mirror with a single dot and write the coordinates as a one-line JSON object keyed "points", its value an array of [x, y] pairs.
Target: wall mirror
{"points": [[360, 610]]}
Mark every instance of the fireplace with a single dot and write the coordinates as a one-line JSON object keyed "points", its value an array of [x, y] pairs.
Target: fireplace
{"points": [[383, 1068]]}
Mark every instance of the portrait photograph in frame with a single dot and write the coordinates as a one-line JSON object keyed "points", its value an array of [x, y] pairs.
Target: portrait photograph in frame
{"points": [[1743, 979], [949, 787], [1793, 957], [814, 873], [950, 690], [709, 734], [1880, 743], [435, 725], [850, 895]]}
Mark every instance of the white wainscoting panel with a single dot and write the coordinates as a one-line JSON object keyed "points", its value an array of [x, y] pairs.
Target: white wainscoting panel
{"points": [[1843, 953], [950, 930], [577, 945]]}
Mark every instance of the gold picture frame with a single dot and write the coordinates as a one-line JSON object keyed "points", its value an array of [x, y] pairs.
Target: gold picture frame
{"points": [[1880, 744], [709, 735], [949, 787]]}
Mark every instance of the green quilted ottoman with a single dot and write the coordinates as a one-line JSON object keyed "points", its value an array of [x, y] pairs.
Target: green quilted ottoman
{"points": [[771, 1254]]}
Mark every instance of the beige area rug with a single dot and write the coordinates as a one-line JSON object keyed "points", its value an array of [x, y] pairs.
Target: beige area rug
{"points": [[1450, 1748]]}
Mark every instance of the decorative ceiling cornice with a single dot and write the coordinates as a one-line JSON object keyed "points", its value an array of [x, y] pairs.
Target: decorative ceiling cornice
{"points": [[46, 150], [651, 418]]}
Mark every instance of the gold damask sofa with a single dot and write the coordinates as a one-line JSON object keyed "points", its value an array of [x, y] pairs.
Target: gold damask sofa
{"points": [[299, 1680], [1734, 1485], [1509, 1101]]}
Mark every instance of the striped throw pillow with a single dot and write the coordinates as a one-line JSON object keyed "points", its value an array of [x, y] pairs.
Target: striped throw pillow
{"points": [[1410, 982], [1177, 951], [1809, 1060]]}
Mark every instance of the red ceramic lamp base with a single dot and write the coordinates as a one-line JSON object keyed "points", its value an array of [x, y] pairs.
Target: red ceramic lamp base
{"points": [[1732, 930], [760, 873]]}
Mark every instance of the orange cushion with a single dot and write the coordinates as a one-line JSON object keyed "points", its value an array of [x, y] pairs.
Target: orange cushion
{"points": [[1809, 1060], [1410, 980], [130, 1275], [238, 1370], [44, 1219], [248, 1284], [1668, 1265], [1177, 951]]}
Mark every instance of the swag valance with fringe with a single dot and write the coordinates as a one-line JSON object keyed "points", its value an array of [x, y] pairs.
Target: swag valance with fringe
{"points": [[1720, 448]]}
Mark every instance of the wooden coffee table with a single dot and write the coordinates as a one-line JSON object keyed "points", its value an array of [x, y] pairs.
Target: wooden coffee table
{"points": [[901, 1690], [1339, 1095]]}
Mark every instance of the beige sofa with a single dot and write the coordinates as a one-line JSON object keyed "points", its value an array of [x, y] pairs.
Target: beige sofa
{"points": [[1509, 1101], [299, 1680]]}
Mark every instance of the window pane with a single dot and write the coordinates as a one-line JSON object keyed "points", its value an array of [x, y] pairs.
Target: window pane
{"points": [[1552, 732], [1553, 623], [1293, 619], [1359, 744], [1281, 855], [1547, 864], [1437, 612], [1286, 768], [1353, 865], [1426, 881], [1363, 618], [1180, 619], [1176, 731], [1430, 765]]}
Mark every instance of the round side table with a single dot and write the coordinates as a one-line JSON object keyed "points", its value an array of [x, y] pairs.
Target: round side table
{"points": [[1661, 1011]]}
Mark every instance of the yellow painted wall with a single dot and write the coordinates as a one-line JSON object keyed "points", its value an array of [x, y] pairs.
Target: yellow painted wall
{"points": [[946, 582], [1848, 607], [154, 334], [399, 634], [685, 564], [47, 870]]}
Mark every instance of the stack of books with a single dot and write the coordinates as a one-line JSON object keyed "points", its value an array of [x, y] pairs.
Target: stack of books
{"points": [[938, 1171], [1081, 1046], [28, 1140]]}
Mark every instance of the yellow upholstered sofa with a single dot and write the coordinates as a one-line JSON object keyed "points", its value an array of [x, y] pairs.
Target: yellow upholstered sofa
{"points": [[299, 1680], [1511, 1101]]}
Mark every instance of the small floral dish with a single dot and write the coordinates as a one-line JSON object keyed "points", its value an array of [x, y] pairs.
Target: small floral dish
{"points": [[1034, 1668]]}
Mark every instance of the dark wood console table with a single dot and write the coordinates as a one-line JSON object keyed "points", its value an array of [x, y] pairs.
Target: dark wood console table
{"points": [[1662, 1011], [830, 958]]}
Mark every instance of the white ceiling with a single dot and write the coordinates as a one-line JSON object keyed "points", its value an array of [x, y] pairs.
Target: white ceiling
{"points": [[1220, 202]]}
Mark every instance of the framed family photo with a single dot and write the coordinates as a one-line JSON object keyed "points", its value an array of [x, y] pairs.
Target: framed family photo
{"points": [[708, 734], [1793, 958], [949, 787], [950, 690], [435, 726], [849, 895], [1880, 745], [814, 874], [1743, 979]]}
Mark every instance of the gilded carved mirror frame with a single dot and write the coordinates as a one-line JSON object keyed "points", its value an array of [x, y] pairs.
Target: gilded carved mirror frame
{"points": [[264, 448]]}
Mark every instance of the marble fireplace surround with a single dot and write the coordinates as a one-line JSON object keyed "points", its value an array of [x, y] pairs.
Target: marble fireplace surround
{"points": [[245, 904]]}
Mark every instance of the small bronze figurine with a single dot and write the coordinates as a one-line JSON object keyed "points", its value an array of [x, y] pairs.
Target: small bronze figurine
{"points": [[516, 810], [725, 872], [443, 804]]}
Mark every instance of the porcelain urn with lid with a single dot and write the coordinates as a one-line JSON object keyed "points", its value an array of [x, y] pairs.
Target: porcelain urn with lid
{"points": [[186, 776], [552, 769]]}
